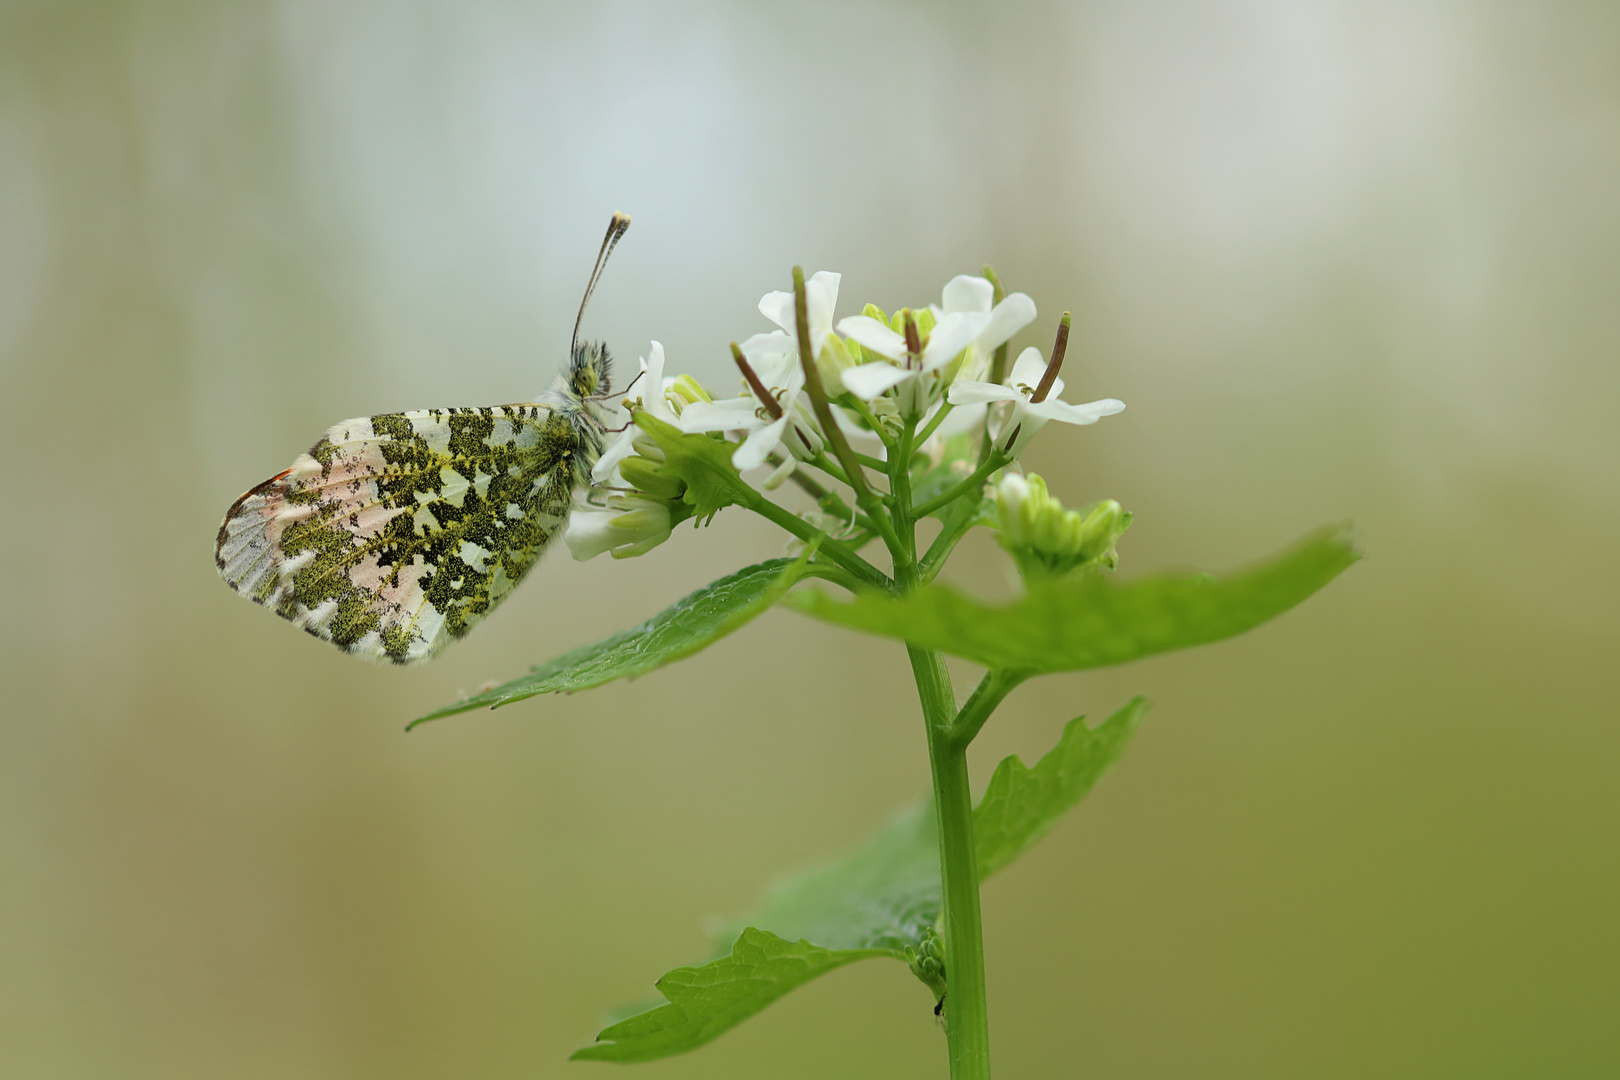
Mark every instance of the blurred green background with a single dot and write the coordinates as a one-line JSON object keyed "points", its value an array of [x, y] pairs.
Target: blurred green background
{"points": [[1342, 260]]}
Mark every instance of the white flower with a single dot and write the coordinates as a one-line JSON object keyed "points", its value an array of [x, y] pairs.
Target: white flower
{"points": [[783, 422], [953, 333], [1025, 417], [632, 525], [651, 386], [782, 376], [820, 297], [970, 293], [966, 324]]}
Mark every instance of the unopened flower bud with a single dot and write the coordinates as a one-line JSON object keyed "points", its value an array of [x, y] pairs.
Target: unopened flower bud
{"points": [[684, 391], [648, 476], [647, 447], [835, 359], [1045, 539], [632, 526]]}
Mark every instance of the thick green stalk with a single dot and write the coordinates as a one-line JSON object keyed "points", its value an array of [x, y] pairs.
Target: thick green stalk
{"points": [[966, 1012], [967, 1017]]}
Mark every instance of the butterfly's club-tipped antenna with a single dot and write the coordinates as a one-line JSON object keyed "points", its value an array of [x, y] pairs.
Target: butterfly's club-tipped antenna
{"points": [[616, 229]]}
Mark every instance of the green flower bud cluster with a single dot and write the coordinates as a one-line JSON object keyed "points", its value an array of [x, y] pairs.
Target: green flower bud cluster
{"points": [[927, 961], [1047, 540]]}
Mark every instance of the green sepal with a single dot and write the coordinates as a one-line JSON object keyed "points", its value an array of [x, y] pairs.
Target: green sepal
{"points": [[689, 625], [1070, 624], [712, 481], [706, 1001]]}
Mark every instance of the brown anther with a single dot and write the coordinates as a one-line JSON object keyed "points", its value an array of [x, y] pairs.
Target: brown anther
{"points": [[1059, 347], [766, 399]]}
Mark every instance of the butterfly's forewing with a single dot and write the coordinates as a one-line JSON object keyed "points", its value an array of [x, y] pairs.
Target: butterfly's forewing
{"points": [[399, 532]]}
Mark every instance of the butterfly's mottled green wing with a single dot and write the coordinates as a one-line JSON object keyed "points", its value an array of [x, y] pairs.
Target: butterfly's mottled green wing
{"points": [[399, 532]]}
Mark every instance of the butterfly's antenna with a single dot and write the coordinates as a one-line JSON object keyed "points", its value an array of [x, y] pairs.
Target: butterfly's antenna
{"points": [[616, 229], [613, 393]]}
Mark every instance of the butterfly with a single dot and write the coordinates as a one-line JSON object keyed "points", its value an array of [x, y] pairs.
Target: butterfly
{"points": [[397, 533]]}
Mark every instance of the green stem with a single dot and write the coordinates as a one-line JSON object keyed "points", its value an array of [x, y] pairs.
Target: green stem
{"points": [[865, 497], [967, 1016], [991, 691], [865, 413], [831, 548], [835, 574], [973, 482], [827, 502], [957, 523], [933, 425], [869, 461]]}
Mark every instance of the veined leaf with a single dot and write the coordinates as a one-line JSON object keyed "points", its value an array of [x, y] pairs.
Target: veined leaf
{"points": [[692, 623], [1022, 804], [706, 1001], [1091, 621], [882, 900]]}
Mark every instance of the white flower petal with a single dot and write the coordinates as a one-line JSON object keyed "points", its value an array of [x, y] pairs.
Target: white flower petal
{"points": [[759, 444], [977, 393], [620, 449], [590, 533], [778, 307], [954, 333], [780, 474], [781, 372], [1089, 413], [1010, 316], [1028, 368], [968, 292], [652, 385], [870, 380], [763, 347], [728, 414], [873, 335], [820, 297]]}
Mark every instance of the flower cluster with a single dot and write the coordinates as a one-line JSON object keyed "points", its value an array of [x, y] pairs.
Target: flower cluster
{"points": [[886, 382]]}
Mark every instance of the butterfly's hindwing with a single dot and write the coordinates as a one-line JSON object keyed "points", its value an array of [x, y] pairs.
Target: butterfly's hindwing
{"points": [[398, 532]]}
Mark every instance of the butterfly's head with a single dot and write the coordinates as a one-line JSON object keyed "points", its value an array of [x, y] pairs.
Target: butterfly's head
{"points": [[590, 372]]}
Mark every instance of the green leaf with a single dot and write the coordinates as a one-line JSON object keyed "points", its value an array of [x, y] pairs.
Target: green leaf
{"points": [[882, 900], [690, 624], [706, 1001], [881, 896], [1091, 621], [712, 481], [1022, 804]]}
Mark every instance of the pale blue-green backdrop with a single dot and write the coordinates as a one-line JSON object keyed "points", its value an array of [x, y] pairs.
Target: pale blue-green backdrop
{"points": [[1341, 259]]}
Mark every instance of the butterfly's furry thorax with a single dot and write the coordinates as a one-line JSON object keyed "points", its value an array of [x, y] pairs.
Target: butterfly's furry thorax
{"points": [[397, 533]]}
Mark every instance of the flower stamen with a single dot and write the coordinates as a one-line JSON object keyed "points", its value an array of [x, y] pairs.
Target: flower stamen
{"points": [[767, 400], [1059, 347]]}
